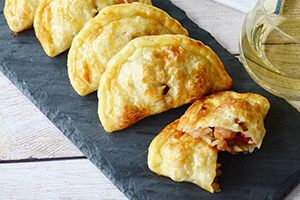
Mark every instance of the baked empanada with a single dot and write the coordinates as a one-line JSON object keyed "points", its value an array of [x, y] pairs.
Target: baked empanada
{"points": [[57, 22], [19, 13], [106, 34], [177, 155], [152, 74], [228, 120]]}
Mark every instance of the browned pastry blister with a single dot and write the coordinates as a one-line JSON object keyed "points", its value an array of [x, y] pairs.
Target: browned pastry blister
{"points": [[106, 34], [57, 22], [152, 74]]}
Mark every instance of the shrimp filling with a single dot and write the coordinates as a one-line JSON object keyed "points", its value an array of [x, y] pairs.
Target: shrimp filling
{"points": [[224, 139]]}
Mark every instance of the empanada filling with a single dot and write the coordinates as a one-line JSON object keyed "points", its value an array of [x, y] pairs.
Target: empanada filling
{"points": [[166, 89], [227, 140]]}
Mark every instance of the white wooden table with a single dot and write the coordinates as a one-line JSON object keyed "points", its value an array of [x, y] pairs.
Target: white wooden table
{"points": [[38, 162]]}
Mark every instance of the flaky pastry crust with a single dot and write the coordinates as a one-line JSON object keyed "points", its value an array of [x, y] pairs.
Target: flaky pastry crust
{"points": [[57, 22], [152, 74], [106, 34], [19, 14], [228, 120], [177, 155]]}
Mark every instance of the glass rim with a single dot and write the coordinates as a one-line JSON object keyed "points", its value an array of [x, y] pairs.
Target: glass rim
{"points": [[272, 23]]}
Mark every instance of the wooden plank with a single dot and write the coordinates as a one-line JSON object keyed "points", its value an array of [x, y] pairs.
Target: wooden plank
{"points": [[25, 132], [294, 194], [294, 103], [222, 22], [68, 179]]}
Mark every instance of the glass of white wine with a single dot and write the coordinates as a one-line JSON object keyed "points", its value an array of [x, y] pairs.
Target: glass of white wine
{"points": [[270, 46]]}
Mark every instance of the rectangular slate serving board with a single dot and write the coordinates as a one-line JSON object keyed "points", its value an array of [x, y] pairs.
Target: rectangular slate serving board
{"points": [[268, 173]]}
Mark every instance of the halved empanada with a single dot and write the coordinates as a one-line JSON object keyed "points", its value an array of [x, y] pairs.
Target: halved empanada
{"points": [[152, 74], [228, 120], [57, 22], [106, 34], [19, 13], [177, 155]]}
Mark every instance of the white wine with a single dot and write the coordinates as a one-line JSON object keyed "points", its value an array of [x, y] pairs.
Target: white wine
{"points": [[270, 50]]}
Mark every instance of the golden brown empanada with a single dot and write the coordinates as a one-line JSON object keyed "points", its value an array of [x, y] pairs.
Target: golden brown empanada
{"points": [[106, 34], [19, 13], [228, 120], [177, 155], [57, 22], [152, 74]]}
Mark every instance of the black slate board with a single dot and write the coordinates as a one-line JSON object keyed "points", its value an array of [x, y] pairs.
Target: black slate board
{"points": [[268, 173]]}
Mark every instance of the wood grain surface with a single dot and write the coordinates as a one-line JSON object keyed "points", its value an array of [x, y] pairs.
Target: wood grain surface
{"points": [[38, 162], [25, 132], [66, 179]]}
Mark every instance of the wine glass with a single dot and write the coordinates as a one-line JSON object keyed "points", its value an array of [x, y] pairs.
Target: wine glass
{"points": [[270, 46]]}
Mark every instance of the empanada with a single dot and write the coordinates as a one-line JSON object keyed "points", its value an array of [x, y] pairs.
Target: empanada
{"points": [[152, 74], [106, 34], [57, 22], [228, 120], [19, 13], [177, 155]]}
